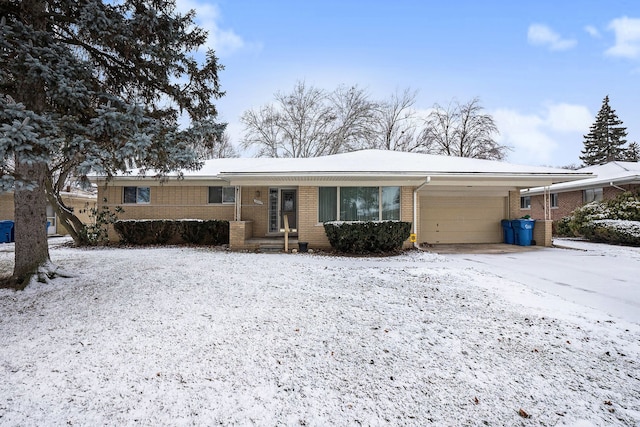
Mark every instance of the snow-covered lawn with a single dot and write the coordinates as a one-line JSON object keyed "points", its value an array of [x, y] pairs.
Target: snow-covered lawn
{"points": [[197, 336]]}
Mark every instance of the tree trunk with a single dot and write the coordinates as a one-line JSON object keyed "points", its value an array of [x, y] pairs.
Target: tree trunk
{"points": [[30, 200], [32, 249], [69, 220]]}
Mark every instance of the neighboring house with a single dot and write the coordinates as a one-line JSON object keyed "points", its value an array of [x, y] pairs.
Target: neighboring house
{"points": [[447, 199], [81, 202], [561, 199]]}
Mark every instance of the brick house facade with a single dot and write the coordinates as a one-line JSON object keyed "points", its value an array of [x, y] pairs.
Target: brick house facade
{"points": [[253, 195], [611, 179]]}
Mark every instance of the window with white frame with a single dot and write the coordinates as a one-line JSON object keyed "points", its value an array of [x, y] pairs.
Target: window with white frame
{"points": [[525, 202], [136, 195], [592, 195], [358, 203], [554, 200], [221, 194]]}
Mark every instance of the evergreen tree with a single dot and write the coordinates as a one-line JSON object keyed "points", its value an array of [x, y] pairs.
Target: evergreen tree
{"points": [[94, 87], [633, 153], [606, 138]]}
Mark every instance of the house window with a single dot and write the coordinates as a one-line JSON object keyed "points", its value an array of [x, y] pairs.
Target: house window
{"points": [[136, 195], [554, 200], [592, 195], [525, 202], [358, 203], [327, 204], [222, 194]]}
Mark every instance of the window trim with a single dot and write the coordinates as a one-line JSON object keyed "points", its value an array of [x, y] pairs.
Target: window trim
{"points": [[137, 201], [381, 211]]}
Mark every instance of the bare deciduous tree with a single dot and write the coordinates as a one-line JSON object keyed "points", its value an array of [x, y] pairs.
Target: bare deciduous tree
{"points": [[309, 122], [217, 148], [462, 130], [398, 123]]}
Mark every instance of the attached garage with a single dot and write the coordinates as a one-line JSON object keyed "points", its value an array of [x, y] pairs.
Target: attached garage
{"points": [[462, 219]]}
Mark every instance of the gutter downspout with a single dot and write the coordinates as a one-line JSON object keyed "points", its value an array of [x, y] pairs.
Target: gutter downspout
{"points": [[615, 186], [415, 209]]}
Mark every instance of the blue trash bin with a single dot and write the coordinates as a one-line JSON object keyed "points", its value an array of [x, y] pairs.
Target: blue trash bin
{"points": [[523, 231], [507, 231], [6, 232]]}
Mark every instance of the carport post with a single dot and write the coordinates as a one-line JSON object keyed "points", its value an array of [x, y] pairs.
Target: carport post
{"points": [[415, 208]]}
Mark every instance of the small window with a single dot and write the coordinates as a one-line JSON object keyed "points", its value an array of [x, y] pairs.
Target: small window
{"points": [[554, 200], [525, 202], [222, 194], [592, 195], [137, 195]]}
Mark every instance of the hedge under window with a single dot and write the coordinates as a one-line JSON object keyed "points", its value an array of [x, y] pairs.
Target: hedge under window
{"points": [[136, 195], [222, 194], [358, 203]]}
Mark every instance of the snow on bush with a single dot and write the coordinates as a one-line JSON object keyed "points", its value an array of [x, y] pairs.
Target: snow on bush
{"points": [[610, 221], [613, 231]]}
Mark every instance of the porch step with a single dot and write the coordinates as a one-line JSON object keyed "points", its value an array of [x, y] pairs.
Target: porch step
{"points": [[273, 245], [271, 248]]}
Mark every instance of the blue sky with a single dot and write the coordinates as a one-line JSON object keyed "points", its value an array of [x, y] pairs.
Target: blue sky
{"points": [[540, 68]]}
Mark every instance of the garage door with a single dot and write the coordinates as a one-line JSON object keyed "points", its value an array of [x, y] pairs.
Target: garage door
{"points": [[461, 219]]}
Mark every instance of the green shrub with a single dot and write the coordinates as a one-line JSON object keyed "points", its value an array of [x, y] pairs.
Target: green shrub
{"points": [[96, 233], [160, 232], [561, 227], [367, 237]]}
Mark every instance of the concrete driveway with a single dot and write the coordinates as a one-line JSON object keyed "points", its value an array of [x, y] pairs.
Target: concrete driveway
{"points": [[599, 276]]}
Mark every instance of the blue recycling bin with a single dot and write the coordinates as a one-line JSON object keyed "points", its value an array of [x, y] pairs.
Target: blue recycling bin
{"points": [[523, 231], [6, 232], [507, 231]]}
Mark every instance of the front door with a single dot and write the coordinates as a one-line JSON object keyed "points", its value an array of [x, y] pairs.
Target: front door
{"points": [[282, 201], [288, 207]]}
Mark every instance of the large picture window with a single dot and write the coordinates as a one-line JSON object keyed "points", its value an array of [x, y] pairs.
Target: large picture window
{"points": [[136, 195], [222, 194], [358, 203]]}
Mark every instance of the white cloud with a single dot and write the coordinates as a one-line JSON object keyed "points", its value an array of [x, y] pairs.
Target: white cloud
{"points": [[542, 35], [569, 118], [552, 137], [223, 41], [627, 33], [593, 31]]}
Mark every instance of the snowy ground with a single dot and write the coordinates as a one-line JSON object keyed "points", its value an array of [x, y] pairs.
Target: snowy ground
{"points": [[196, 336]]}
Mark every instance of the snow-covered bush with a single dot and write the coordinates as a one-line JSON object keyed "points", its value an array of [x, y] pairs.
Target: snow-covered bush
{"points": [[606, 221], [613, 231], [367, 237]]}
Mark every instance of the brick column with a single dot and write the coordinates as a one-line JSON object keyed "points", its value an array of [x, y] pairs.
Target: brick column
{"points": [[239, 232], [542, 232]]}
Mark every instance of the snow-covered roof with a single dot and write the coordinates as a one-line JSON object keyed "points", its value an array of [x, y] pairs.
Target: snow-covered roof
{"points": [[617, 173], [370, 163]]}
